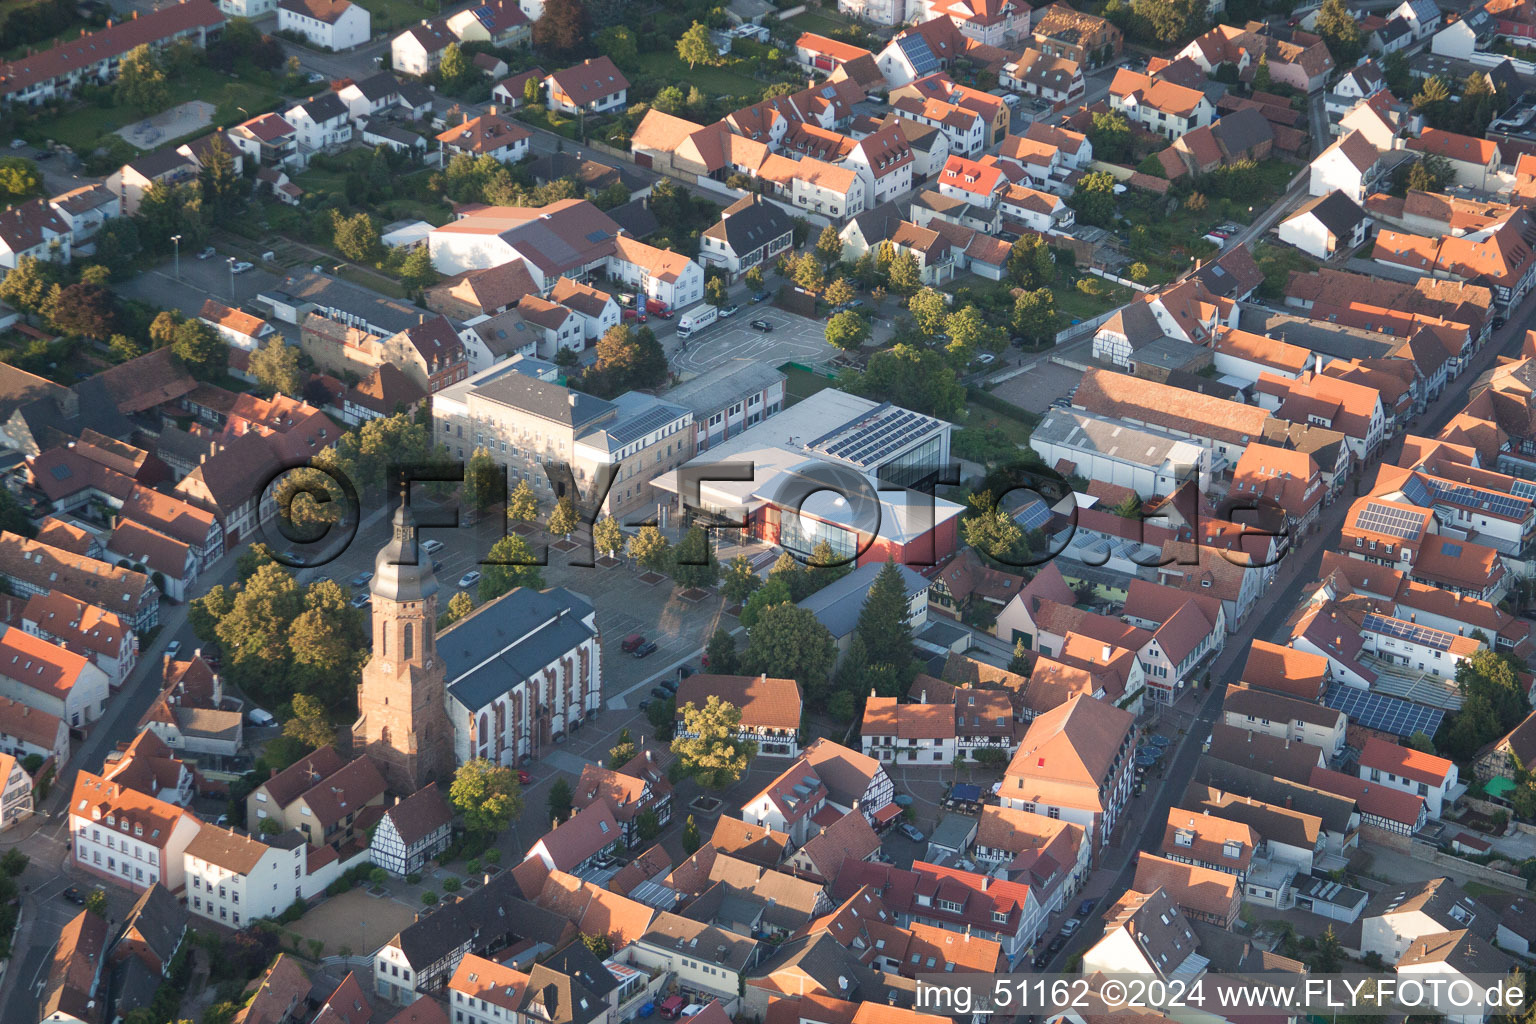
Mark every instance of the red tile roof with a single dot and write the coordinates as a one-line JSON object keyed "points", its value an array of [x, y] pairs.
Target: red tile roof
{"points": [[1405, 762]]}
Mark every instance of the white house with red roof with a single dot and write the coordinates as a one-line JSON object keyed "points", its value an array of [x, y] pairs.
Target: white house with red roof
{"points": [[572, 844], [972, 182], [128, 837], [50, 678], [1380, 805], [595, 85], [992, 22], [236, 326], [327, 24], [1475, 162], [1009, 913], [1412, 771], [268, 140], [34, 229], [789, 802], [24, 731], [824, 55]]}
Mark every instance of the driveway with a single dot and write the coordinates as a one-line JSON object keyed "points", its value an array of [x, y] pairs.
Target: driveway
{"points": [[793, 338], [1037, 388]]}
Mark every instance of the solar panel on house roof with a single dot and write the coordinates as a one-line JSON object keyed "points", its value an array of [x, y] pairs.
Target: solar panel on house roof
{"points": [[1033, 515], [1387, 714], [1394, 522], [1415, 490], [918, 54], [1454, 550], [1410, 631]]}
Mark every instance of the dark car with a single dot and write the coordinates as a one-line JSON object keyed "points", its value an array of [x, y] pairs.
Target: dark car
{"points": [[631, 642], [684, 671], [1056, 944], [762, 325], [644, 705], [646, 649], [1085, 908], [660, 694], [669, 686], [761, 297], [74, 896], [1041, 960]]}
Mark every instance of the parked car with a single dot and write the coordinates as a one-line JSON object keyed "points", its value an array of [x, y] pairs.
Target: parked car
{"points": [[242, 266], [669, 686], [74, 896], [646, 649], [207, 252], [1041, 959], [635, 314], [431, 547], [729, 310], [660, 694], [18, 143], [362, 600], [1069, 927], [1055, 946], [1085, 908], [912, 833], [173, 648], [644, 705], [523, 778], [258, 717], [631, 642], [761, 297], [361, 579], [469, 579], [762, 325]]}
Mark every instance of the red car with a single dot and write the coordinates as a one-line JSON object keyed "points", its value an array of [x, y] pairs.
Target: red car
{"points": [[523, 778]]}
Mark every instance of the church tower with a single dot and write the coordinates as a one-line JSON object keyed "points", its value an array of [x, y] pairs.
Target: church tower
{"points": [[402, 719]]}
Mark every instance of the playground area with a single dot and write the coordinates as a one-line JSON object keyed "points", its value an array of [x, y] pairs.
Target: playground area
{"points": [[178, 122]]}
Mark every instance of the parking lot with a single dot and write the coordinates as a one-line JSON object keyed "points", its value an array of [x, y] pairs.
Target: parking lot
{"points": [[794, 338], [1037, 388]]}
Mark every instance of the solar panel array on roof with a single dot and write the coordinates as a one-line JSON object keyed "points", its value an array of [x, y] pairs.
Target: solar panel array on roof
{"points": [[1439, 639], [882, 434], [1394, 522], [918, 54], [1416, 491], [1387, 714], [1493, 502], [1523, 488], [1447, 548], [1034, 515]]}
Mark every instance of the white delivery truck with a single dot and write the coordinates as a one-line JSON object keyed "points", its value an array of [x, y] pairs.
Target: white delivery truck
{"points": [[696, 318]]}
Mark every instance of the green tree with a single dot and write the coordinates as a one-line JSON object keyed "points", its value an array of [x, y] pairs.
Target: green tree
{"points": [[691, 838], [788, 642], [710, 750], [885, 624], [774, 592], [840, 291], [1261, 80], [275, 366], [560, 798], [695, 46], [693, 564], [618, 42], [1397, 74], [19, 178], [905, 276], [928, 311], [564, 519], [1020, 664], [454, 68], [1341, 33], [754, 278], [1329, 955], [808, 274], [482, 486], [918, 379], [608, 536], [598, 944], [1421, 742], [141, 80], [309, 724], [355, 237], [1029, 262], [788, 570], [459, 605], [509, 564], [1430, 173], [86, 311], [989, 529], [1110, 134], [96, 902], [847, 330], [824, 567], [223, 188], [202, 352], [1433, 98], [1093, 198], [1170, 21], [622, 752], [720, 654], [1034, 314], [739, 580], [416, 270], [650, 549], [487, 794], [27, 285], [968, 330], [254, 632], [531, 91], [522, 503], [829, 247]]}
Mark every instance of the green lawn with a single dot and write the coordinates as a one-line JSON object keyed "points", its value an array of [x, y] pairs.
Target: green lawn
{"points": [[715, 81], [388, 14], [821, 22], [83, 128], [1078, 305]]}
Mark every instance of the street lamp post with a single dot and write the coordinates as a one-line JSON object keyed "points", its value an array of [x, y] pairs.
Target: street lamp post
{"points": [[231, 262], [176, 241]]}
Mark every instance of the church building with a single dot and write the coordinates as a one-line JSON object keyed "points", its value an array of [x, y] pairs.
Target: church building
{"points": [[506, 682]]}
